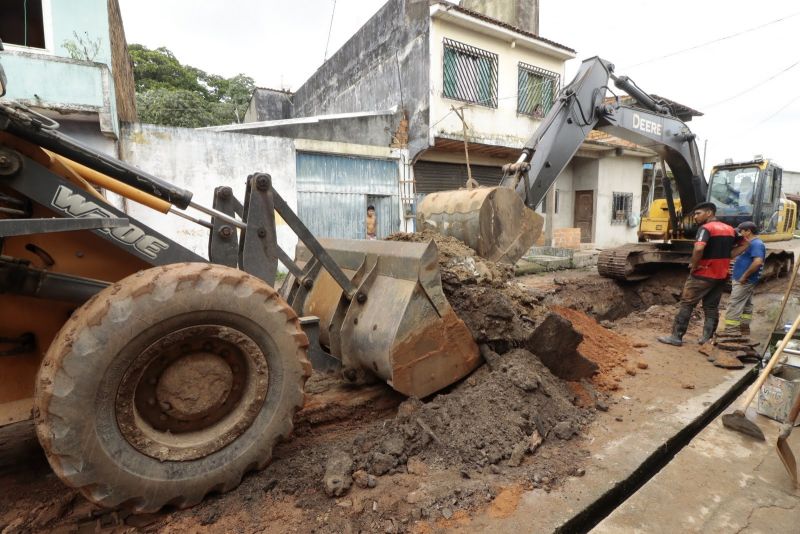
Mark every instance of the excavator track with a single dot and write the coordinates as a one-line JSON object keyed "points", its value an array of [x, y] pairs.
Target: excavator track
{"points": [[620, 263], [640, 260]]}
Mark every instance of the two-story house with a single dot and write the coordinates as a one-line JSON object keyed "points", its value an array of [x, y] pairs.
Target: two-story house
{"points": [[68, 60], [380, 122]]}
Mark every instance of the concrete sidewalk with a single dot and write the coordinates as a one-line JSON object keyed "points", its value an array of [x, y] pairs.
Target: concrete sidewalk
{"points": [[722, 482]]}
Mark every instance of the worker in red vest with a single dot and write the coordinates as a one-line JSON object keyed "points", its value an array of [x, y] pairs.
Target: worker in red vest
{"points": [[708, 272]]}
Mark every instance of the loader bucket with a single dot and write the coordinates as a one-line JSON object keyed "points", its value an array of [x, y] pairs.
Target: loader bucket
{"points": [[405, 331], [493, 221]]}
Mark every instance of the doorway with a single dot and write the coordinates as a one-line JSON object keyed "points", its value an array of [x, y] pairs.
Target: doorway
{"points": [[385, 212], [584, 214]]}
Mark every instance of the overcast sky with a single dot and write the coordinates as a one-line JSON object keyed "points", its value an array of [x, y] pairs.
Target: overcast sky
{"points": [[280, 43]]}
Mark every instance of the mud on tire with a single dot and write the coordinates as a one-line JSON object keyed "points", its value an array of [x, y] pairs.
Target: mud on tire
{"points": [[170, 384]]}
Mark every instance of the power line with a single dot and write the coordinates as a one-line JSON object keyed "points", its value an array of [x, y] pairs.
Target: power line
{"points": [[707, 43], [789, 103], [756, 86], [328, 42]]}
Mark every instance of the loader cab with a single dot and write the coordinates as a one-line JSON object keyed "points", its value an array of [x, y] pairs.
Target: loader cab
{"points": [[749, 191]]}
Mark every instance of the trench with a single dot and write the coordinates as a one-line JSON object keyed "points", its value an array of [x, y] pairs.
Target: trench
{"points": [[602, 507]]}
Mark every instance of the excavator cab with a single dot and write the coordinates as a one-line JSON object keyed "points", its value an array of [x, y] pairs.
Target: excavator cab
{"points": [[751, 191]]}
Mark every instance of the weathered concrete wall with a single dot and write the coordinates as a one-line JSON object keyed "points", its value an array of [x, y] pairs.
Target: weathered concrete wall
{"points": [[269, 105], [523, 14], [201, 160], [376, 130], [384, 64]]}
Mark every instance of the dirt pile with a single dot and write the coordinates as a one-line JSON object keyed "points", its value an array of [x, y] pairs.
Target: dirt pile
{"points": [[609, 350], [458, 262], [500, 413]]}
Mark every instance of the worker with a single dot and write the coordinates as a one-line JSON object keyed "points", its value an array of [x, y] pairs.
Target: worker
{"points": [[372, 223], [708, 272], [747, 268]]}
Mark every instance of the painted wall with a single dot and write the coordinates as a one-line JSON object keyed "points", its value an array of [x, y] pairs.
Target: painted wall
{"points": [[620, 175], [79, 83], [87, 18], [201, 160], [494, 126], [564, 217], [48, 78]]}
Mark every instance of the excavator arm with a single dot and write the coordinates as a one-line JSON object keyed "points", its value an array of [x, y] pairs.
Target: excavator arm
{"points": [[580, 108]]}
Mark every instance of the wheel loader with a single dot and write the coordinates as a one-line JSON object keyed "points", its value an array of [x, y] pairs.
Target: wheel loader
{"points": [[499, 222], [155, 376]]}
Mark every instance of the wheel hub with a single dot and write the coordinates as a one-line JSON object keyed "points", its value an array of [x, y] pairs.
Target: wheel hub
{"points": [[194, 387], [192, 392]]}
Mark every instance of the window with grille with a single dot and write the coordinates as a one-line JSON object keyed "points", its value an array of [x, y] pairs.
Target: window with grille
{"points": [[470, 74], [536, 91], [622, 204]]}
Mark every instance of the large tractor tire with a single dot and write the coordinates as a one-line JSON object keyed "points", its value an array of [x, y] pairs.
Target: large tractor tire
{"points": [[170, 384]]}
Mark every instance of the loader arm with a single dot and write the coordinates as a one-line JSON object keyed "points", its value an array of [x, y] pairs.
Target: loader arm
{"points": [[580, 108]]}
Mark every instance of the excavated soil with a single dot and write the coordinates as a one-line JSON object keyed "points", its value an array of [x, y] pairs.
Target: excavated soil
{"points": [[367, 460]]}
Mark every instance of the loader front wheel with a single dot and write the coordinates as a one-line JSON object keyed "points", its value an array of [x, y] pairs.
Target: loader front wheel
{"points": [[170, 384]]}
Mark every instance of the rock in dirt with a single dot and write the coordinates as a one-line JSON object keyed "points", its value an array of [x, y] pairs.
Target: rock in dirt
{"points": [[393, 446], [518, 453], [338, 474], [381, 463], [564, 430], [534, 441], [726, 361], [556, 343], [364, 480]]}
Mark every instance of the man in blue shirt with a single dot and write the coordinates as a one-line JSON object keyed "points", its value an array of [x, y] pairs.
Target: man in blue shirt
{"points": [[747, 269]]}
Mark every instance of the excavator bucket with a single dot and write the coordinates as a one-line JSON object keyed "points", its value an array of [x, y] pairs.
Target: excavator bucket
{"points": [[404, 330], [493, 221]]}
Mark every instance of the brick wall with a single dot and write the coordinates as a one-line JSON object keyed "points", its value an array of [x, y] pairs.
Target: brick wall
{"points": [[567, 238]]}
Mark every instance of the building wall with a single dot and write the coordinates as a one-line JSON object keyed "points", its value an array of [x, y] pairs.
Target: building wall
{"points": [[84, 17], [790, 183], [48, 78], [201, 160], [564, 217], [268, 105], [494, 126], [384, 64], [523, 14], [621, 175]]}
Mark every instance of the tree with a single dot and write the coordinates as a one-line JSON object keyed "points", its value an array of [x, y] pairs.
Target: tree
{"points": [[175, 107], [170, 93]]}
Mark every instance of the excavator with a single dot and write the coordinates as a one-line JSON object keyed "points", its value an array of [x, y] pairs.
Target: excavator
{"points": [[153, 375], [499, 222], [742, 191]]}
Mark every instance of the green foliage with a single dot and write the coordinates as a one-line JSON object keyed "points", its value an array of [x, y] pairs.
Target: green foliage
{"points": [[173, 94], [84, 48]]}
